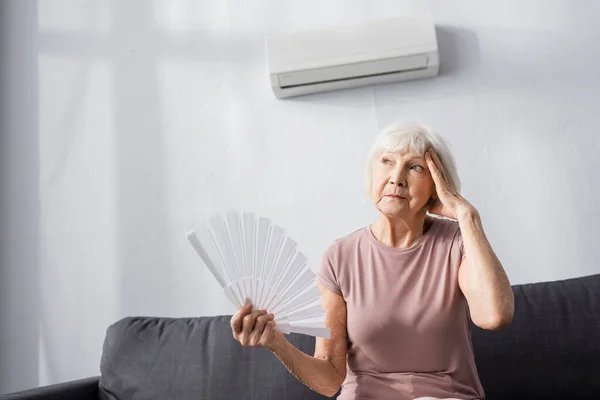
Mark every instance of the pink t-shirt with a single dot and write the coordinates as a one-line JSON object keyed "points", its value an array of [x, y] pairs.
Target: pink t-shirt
{"points": [[408, 324]]}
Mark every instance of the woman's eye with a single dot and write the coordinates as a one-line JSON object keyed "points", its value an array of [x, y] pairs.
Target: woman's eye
{"points": [[417, 168], [385, 161]]}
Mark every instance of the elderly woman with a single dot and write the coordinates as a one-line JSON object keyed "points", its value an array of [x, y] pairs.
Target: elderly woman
{"points": [[400, 293]]}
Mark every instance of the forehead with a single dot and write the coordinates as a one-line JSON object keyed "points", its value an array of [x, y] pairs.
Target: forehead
{"points": [[404, 154]]}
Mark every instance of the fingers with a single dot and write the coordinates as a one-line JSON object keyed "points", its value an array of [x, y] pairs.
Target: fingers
{"points": [[238, 317], [433, 164], [249, 325], [437, 172], [257, 333], [254, 335], [267, 333]]}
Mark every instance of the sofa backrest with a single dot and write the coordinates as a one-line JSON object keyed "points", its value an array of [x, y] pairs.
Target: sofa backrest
{"points": [[193, 358], [551, 350]]}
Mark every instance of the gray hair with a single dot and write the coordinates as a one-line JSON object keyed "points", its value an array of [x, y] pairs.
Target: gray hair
{"points": [[416, 138]]}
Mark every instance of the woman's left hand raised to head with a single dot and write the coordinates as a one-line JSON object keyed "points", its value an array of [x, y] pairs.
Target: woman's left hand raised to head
{"points": [[453, 205]]}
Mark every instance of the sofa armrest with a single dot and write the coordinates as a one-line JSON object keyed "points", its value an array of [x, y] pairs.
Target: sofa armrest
{"points": [[80, 389]]}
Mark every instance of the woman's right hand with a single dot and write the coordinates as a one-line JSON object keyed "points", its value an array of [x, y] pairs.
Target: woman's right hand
{"points": [[255, 328]]}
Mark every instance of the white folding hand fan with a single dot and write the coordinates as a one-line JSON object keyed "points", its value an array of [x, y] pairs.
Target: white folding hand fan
{"points": [[253, 260]]}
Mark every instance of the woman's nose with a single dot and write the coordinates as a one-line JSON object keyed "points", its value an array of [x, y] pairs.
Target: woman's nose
{"points": [[398, 179]]}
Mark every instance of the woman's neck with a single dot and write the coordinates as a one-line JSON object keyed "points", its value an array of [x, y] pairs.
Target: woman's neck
{"points": [[401, 233]]}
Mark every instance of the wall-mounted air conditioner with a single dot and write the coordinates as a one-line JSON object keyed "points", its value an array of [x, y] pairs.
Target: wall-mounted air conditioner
{"points": [[390, 50]]}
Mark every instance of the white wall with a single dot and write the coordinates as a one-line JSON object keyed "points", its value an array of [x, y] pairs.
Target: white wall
{"points": [[126, 122]]}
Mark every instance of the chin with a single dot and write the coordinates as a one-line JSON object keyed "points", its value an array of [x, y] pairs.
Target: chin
{"points": [[392, 211]]}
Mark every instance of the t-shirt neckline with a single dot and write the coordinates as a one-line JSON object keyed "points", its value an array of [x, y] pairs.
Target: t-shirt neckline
{"points": [[415, 245]]}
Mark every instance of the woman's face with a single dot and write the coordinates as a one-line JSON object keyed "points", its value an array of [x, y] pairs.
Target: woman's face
{"points": [[402, 184]]}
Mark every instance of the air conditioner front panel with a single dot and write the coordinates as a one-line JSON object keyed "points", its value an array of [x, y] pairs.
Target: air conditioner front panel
{"points": [[389, 38], [292, 91], [353, 71]]}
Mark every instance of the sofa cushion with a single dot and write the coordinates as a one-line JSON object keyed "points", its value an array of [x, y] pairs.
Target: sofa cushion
{"points": [[551, 349], [193, 358]]}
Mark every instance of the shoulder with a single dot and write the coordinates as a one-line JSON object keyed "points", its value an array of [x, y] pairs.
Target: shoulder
{"points": [[350, 240], [333, 271], [447, 228], [448, 235], [345, 244]]}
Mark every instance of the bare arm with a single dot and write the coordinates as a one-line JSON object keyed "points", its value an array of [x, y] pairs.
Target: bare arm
{"points": [[326, 370], [482, 279], [481, 276]]}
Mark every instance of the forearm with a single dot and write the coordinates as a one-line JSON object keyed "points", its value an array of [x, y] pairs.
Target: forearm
{"points": [[485, 273], [319, 375]]}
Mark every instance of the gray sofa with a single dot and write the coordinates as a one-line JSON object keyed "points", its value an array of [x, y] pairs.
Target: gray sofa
{"points": [[551, 351]]}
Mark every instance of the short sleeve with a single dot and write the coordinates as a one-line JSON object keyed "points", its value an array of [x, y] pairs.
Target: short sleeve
{"points": [[328, 273], [458, 244]]}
